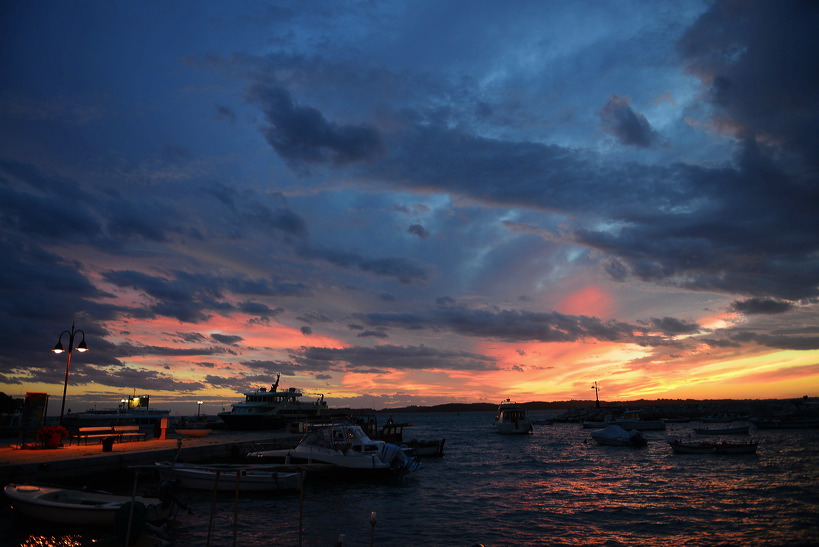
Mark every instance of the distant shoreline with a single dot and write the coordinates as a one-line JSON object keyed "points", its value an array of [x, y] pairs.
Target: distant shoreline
{"points": [[690, 406]]}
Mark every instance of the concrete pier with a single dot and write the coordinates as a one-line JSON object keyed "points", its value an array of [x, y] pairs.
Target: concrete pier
{"points": [[25, 464]]}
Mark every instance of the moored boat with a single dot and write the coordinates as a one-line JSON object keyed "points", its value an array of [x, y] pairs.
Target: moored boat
{"points": [[682, 447], [272, 409], [346, 447], [722, 447], [511, 419], [725, 447], [68, 506], [393, 433], [786, 423], [615, 435], [630, 420], [229, 477], [739, 430]]}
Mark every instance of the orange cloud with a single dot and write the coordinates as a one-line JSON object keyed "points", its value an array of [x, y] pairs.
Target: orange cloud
{"points": [[591, 301]]}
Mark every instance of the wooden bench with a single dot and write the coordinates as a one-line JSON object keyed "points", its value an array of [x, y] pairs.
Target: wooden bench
{"points": [[130, 432], [94, 433], [120, 433]]}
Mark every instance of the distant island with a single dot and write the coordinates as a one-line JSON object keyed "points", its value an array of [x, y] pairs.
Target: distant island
{"points": [[649, 409]]}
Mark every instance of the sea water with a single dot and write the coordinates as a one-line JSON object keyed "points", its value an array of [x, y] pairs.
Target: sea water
{"points": [[554, 487]]}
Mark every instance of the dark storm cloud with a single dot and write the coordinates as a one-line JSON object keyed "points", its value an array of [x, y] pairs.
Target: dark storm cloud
{"points": [[418, 230], [765, 306], [128, 377], [302, 135], [263, 212], [140, 350], [507, 325], [260, 310], [184, 298], [391, 357], [760, 62], [405, 270], [749, 229], [226, 112], [671, 326], [36, 205], [779, 341], [227, 339], [629, 127]]}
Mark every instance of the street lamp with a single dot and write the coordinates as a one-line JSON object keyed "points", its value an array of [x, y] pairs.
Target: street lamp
{"points": [[198, 408], [596, 395], [81, 347]]}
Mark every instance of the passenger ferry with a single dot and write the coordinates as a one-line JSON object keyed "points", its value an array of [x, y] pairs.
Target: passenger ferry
{"points": [[272, 409]]}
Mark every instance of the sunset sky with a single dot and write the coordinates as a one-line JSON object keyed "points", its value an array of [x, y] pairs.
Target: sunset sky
{"points": [[415, 202]]}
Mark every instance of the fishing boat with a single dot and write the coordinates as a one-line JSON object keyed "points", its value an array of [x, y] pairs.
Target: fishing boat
{"points": [[229, 477], [511, 419], [682, 447], [67, 506], [271, 409], [393, 433], [630, 420], [614, 435], [786, 423], [722, 447], [739, 430], [346, 447], [725, 447]]}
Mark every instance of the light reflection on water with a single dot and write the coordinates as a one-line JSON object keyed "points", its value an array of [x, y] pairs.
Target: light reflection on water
{"points": [[555, 487]]}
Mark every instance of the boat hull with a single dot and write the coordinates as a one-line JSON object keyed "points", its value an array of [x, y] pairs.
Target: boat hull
{"points": [[615, 435], [691, 448], [680, 447], [224, 478], [65, 506], [742, 430]]}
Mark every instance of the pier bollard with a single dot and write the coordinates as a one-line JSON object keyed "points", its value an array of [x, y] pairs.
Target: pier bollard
{"points": [[107, 444]]}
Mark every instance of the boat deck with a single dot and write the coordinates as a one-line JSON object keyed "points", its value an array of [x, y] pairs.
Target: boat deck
{"points": [[18, 465]]}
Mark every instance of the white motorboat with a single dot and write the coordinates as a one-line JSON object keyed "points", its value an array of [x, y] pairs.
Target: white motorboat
{"points": [[614, 435], [272, 409], [224, 477], [511, 419], [345, 446], [630, 420], [67, 506]]}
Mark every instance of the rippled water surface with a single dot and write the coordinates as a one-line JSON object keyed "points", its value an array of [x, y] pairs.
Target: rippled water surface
{"points": [[556, 487]]}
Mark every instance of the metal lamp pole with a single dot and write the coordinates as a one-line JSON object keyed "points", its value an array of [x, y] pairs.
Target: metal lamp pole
{"points": [[596, 395], [198, 408], [81, 347]]}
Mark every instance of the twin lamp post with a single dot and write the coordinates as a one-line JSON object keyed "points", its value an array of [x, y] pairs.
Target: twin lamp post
{"points": [[81, 347]]}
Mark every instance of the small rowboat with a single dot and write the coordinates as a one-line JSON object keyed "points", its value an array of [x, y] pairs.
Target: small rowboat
{"points": [[736, 448], [739, 430], [224, 477], [67, 506], [724, 447]]}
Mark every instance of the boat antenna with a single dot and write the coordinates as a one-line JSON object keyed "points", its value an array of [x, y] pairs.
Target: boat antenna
{"points": [[596, 395]]}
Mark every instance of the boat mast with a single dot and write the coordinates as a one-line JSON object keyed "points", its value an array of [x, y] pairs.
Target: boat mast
{"points": [[596, 395]]}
